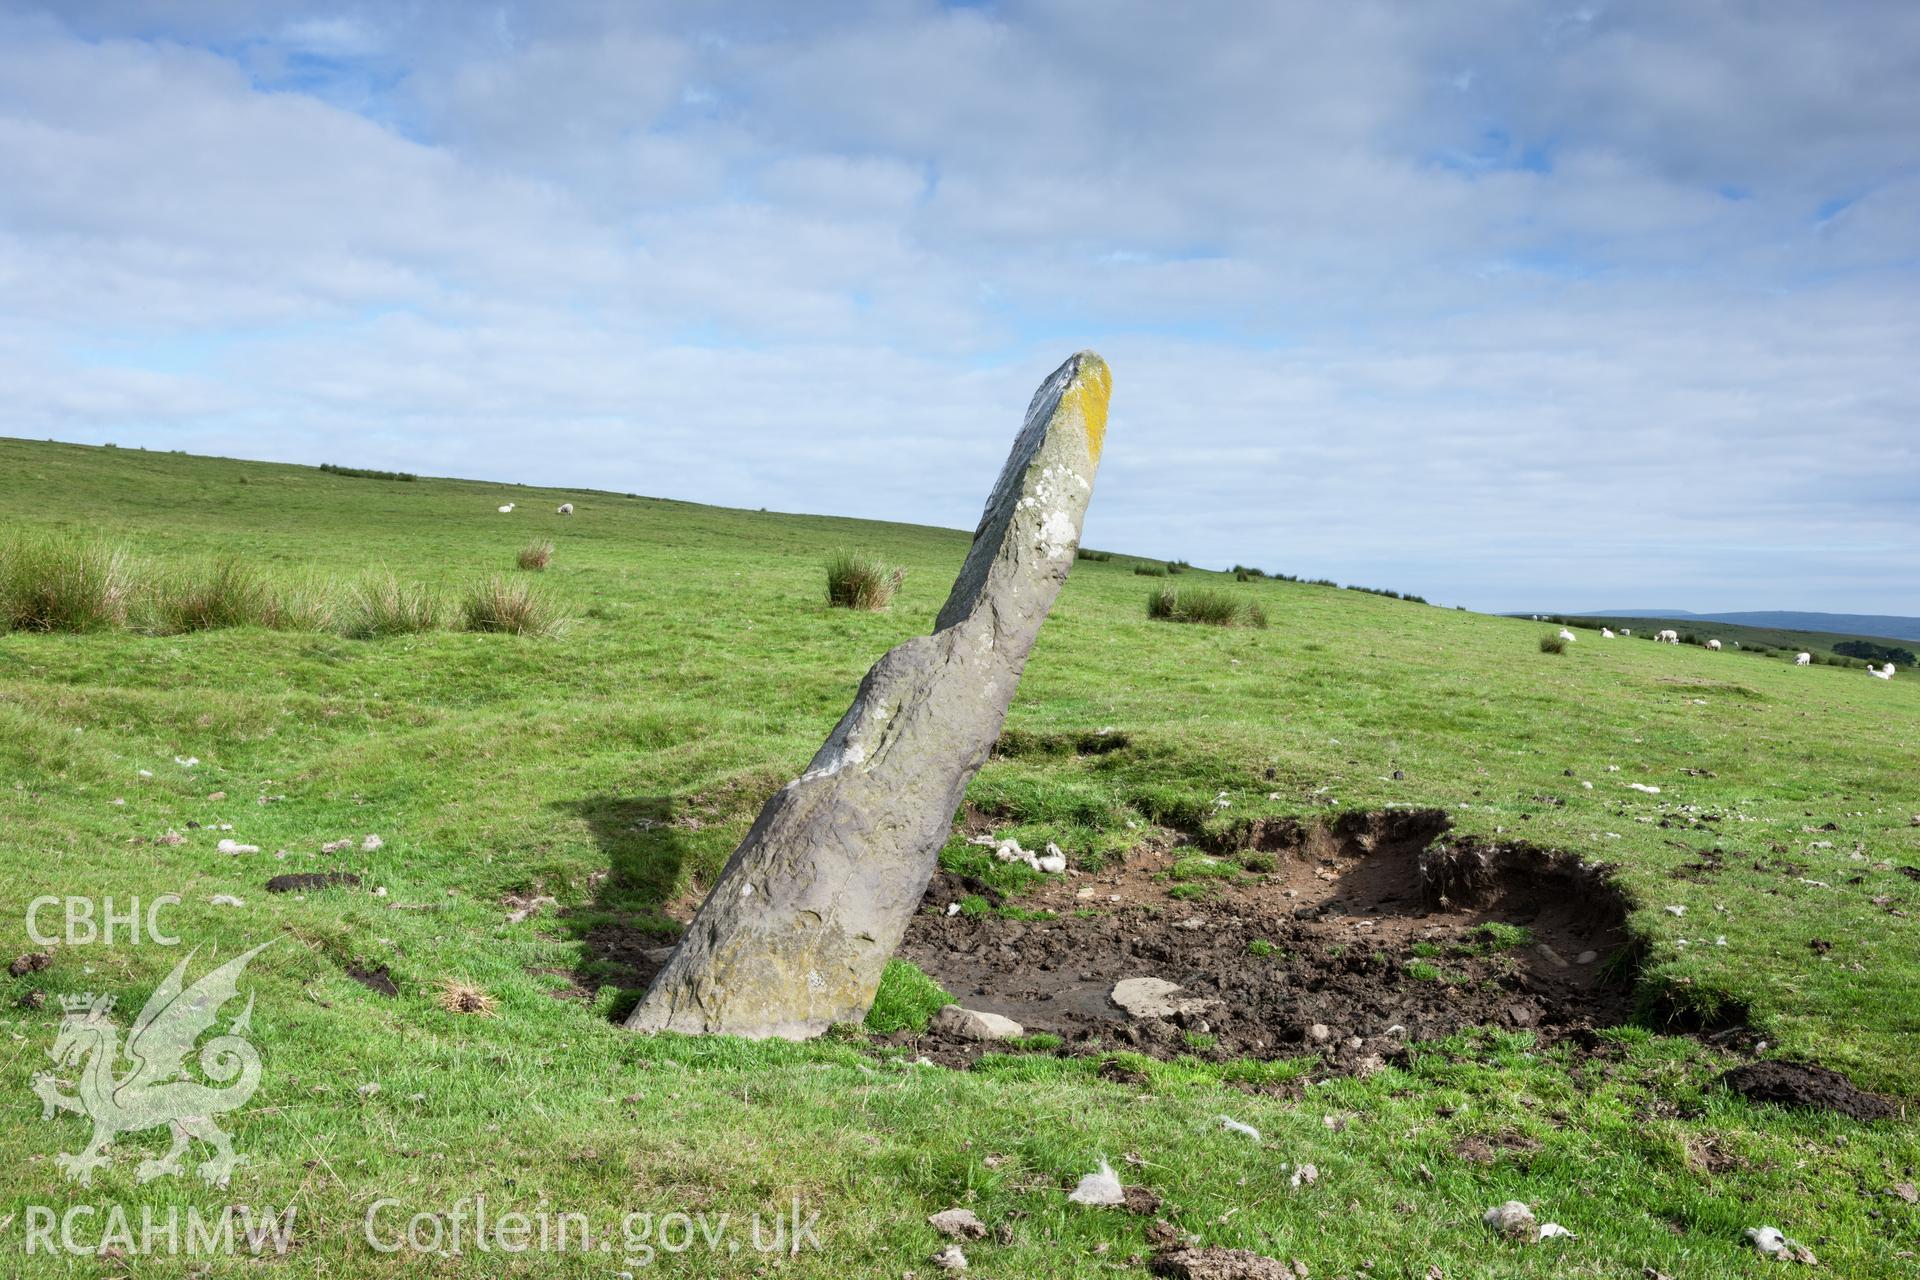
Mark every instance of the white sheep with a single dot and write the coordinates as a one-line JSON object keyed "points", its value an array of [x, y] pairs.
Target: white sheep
{"points": [[1567, 635], [1802, 659], [1714, 645], [1626, 631], [506, 508], [1667, 637], [566, 509], [1878, 674], [1605, 634]]}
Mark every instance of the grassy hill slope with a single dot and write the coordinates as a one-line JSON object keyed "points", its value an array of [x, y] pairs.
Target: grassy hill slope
{"points": [[615, 766], [1782, 642]]}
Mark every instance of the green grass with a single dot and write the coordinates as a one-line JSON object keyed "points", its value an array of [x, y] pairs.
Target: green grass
{"points": [[907, 999], [614, 766]]}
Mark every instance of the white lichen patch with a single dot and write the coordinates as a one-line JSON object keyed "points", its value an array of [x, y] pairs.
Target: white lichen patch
{"points": [[1057, 535]]}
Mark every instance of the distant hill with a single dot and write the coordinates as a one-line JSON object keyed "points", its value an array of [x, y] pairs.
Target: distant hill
{"points": [[1847, 647], [1871, 625]]}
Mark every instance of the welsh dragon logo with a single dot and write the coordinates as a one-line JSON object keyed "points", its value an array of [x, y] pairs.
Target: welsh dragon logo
{"points": [[155, 1089]]}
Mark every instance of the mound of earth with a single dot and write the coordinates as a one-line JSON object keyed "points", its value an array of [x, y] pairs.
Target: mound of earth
{"points": [[1791, 1084], [1347, 940]]}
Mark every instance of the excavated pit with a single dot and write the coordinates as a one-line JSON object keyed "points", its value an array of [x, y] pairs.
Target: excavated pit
{"points": [[1348, 941]]}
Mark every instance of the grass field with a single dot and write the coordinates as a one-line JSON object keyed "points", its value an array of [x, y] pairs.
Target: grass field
{"points": [[614, 765]]}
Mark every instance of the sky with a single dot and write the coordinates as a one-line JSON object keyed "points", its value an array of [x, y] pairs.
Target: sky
{"points": [[1513, 305]]}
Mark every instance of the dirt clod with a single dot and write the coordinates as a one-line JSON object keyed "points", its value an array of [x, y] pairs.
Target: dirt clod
{"points": [[960, 1224], [1793, 1084], [311, 881], [32, 962], [1214, 1263]]}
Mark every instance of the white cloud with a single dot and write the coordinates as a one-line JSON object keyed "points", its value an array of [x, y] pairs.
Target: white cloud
{"points": [[1504, 307]]}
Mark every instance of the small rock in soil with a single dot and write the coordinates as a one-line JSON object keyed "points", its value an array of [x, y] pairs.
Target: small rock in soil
{"points": [[1154, 998], [950, 1259], [961, 1224], [971, 1024]]}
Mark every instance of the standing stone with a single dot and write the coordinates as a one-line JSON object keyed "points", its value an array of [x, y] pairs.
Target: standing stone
{"points": [[812, 904]]}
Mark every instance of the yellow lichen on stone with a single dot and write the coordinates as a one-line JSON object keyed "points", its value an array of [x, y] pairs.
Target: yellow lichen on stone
{"points": [[1092, 387]]}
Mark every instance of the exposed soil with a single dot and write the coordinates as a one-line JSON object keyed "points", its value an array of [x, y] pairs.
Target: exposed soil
{"points": [[377, 980], [1214, 1263], [310, 881], [1791, 1084], [1348, 941]]}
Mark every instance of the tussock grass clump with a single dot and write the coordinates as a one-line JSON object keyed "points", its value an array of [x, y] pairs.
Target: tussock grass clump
{"points": [[859, 582], [1204, 605], [309, 604], [505, 605], [388, 607], [230, 593], [1552, 644], [62, 583], [1150, 570], [536, 556]]}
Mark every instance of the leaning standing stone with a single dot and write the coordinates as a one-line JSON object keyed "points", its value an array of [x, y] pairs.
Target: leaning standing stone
{"points": [[811, 905]]}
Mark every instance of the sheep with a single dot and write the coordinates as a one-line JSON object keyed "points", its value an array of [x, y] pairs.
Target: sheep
{"points": [[1878, 674], [1567, 635], [1802, 659], [1714, 645], [506, 509], [1605, 634], [1667, 637], [1626, 631], [566, 509]]}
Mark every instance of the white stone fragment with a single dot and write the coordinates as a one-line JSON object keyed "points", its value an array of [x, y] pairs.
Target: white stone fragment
{"points": [[973, 1024], [1101, 1187], [1514, 1220]]}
